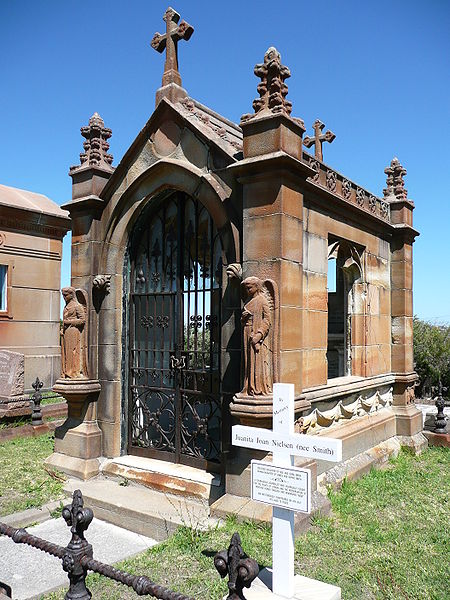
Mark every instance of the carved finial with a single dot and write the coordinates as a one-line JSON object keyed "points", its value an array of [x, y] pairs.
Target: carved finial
{"points": [[36, 417], [169, 42], [395, 186], [77, 518], [319, 138], [96, 145], [272, 89], [240, 569]]}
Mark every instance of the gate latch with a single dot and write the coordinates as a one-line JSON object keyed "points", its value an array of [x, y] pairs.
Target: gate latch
{"points": [[176, 364]]}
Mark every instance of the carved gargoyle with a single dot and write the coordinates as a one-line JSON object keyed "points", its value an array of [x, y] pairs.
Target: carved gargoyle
{"points": [[241, 569]]}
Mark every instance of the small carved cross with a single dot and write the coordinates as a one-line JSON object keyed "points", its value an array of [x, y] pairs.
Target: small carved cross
{"points": [[318, 138], [169, 42]]}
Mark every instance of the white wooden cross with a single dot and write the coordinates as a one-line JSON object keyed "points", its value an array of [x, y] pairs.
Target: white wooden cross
{"points": [[284, 445]]}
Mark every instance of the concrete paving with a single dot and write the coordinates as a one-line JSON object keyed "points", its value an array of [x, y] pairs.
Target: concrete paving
{"points": [[32, 573]]}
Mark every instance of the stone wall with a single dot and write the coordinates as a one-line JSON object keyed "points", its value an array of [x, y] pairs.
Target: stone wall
{"points": [[31, 326]]}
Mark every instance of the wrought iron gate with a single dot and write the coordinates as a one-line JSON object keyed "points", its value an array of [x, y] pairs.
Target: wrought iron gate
{"points": [[176, 273]]}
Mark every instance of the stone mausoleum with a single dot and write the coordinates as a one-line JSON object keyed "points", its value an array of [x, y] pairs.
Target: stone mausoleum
{"points": [[31, 231], [215, 259]]}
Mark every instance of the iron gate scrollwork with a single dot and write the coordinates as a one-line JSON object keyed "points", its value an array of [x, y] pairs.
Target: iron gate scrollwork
{"points": [[175, 297]]}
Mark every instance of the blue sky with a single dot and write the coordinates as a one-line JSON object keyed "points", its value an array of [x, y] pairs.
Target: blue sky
{"points": [[376, 72]]}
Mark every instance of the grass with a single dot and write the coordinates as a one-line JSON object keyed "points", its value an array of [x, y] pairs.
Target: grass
{"points": [[24, 483], [387, 540], [51, 398]]}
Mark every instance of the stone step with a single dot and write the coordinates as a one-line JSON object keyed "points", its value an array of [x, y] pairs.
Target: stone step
{"points": [[144, 511], [166, 477]]}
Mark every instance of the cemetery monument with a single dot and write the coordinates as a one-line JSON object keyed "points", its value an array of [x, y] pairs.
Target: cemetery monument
{"points": [[205, 259]]}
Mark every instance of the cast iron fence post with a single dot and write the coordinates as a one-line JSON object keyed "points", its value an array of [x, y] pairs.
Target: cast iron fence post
{"points": [[36, 398]]}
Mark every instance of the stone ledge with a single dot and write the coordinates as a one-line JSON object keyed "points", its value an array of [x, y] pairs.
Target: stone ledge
{"points": [[25, 518], [359, 465], [437, 439]]}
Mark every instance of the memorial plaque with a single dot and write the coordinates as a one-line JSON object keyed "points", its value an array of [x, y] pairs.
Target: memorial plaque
{"points": [[285, 487], [295, 444]]}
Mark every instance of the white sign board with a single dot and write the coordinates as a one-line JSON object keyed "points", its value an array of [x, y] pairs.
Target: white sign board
{"points": [[297, 444], [285, 487]]}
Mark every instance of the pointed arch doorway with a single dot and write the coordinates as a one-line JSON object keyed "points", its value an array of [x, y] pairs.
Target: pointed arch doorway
{"points": [[174, 335]]}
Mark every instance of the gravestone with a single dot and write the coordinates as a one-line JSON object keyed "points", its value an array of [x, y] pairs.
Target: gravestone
{"points": [[13, 401]]}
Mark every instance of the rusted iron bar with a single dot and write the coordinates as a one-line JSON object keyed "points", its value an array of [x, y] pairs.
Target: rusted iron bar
{"points": [[142, 585], [77, 557]]}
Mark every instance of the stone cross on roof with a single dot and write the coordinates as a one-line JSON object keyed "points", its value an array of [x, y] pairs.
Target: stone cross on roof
{"points": [[169, 42], [395, 186], [319, 138]]}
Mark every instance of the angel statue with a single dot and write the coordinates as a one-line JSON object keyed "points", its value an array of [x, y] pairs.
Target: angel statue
{"points": [[259, 324], [74, 334]]}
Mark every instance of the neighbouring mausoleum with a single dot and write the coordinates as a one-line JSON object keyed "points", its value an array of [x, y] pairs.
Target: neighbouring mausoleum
{"points": [[32, 228], [215, 259]]}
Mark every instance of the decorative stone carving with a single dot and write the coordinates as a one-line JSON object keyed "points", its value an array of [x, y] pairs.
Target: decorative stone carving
{"points": [[395, 186], [259, 322], [74, 342], [169, 42], [314, 164], [348, 258], [102, 283], [96, 145], [340, 413], [372, 203], [234, 271], [189, 105], [272, 89], [360, 196], [331, 180], [346, 189], [319, 138], [384, 209]]}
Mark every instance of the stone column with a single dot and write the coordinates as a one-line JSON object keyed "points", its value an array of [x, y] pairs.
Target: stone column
{"points": [[409, 418], [272, 175], [78, 442]]}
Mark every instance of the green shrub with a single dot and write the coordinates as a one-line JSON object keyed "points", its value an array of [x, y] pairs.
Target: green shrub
{"points": [[431, 355]]}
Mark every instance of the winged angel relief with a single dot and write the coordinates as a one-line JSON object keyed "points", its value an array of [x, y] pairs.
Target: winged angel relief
{"points": [[74, 335], [260, 331]]}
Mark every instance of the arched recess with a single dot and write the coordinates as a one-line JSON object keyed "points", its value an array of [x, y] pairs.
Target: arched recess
{"points": [[346, 259], [148, 194]]}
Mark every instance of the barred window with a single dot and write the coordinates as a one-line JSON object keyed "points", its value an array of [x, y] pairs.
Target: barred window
{"points": [[3, 287]]}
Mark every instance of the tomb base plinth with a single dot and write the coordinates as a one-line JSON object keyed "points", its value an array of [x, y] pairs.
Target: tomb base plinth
{"points": [[19, 406], [304, 589], [78, 441], [256, 411]]}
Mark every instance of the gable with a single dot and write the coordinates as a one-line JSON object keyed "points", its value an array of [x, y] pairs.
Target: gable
{"points": [[187, 132]]}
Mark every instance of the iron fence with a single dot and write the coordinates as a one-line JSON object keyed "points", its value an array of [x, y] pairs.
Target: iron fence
{"points": [[77, 557]]}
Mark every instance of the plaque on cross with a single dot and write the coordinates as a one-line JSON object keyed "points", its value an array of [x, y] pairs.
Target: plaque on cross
{"points": [[279, 481], [319, 138], [169, 42]]}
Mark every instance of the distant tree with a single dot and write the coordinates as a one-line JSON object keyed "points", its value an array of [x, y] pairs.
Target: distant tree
{"points": [[431, 355]]}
